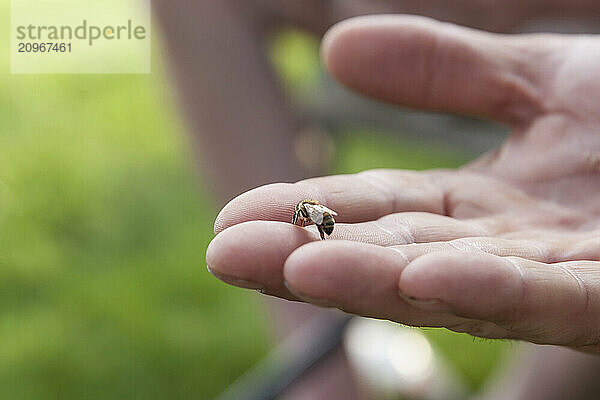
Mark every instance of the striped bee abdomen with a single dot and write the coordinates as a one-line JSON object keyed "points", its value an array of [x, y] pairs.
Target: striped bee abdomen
{"points": [[328, 223]]}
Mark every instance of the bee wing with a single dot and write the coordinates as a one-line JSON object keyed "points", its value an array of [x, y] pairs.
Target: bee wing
{"points": [[315, 213], [329, 210]]}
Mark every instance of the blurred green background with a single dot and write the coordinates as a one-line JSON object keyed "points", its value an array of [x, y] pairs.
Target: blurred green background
{"points": [[104, 224]]}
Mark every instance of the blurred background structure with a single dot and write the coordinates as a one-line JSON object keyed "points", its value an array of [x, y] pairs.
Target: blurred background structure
{"points": [[104, 224]]}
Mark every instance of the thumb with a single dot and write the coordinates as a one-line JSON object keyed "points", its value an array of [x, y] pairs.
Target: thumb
{"points": [[422, 63]]}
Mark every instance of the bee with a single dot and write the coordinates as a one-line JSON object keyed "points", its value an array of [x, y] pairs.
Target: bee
{"points": [[308, 211]]}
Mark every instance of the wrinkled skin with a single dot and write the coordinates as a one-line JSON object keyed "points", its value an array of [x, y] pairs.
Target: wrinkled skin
{"points": [[505, 247]]}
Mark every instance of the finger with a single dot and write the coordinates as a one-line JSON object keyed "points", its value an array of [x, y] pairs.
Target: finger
{"points": [[586, 248], [419, 62], [416, 234], [543, 303], [251, 255], [411, 227], [543, 247], [467, 195], [527, 249], [566, 246], [493, 296], [360, 197], [358, 278]]}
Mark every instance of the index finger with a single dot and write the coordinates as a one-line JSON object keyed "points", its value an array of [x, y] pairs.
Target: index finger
{"points": [[356, 198]]}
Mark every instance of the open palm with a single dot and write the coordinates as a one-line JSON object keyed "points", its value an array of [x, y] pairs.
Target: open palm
{"points": [[505, 247]]}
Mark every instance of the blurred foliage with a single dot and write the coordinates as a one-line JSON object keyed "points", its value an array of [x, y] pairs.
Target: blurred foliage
{"points": [[103, 228], [104, 292], [296, 58]]}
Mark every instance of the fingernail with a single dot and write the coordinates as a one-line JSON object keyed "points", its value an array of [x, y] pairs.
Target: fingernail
{"points": [[310, 299], [433, 305], [243, 283]]}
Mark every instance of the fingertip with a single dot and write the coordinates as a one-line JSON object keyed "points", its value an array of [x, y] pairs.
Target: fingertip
{"points": [[223, 252], [338, 31], [229, 214], [308, 269], [221, 221], [339, 44], [348, 42], [272, 202], [222, 262], [305, 274], [252, 254], [349, 275], [333, 40]]}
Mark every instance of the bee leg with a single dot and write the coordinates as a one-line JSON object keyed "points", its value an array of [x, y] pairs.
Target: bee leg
{"points": [[321, 232], [294, 218]]}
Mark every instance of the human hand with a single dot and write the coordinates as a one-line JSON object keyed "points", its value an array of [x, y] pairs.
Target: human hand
{"points": [[505, 247]]}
